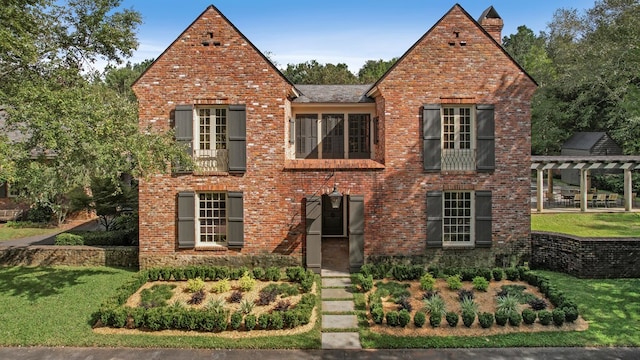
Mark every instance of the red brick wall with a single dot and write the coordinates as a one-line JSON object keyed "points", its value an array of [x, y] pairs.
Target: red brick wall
{"points": [[395, 196]]}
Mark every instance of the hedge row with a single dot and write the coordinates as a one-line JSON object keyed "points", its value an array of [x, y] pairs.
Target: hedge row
{"points": [[403, 272], [97, 238]]}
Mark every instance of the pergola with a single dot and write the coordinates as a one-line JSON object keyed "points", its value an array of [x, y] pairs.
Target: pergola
{"points": [[585, 164]]}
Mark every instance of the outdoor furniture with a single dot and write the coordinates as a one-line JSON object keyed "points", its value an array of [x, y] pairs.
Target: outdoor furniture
{"points": [[10, 214], [567, 196], [611, 199], [601, 199]]}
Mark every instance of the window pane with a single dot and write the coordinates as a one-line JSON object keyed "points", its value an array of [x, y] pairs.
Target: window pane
{"points": [[359, 136], [332, 136], [457, 217], [212, 218]]}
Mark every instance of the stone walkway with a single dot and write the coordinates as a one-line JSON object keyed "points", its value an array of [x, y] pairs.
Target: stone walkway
{"points": [[339, 324]]}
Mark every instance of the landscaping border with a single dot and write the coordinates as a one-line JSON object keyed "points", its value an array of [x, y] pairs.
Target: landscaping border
{"points": [[586, 257]]}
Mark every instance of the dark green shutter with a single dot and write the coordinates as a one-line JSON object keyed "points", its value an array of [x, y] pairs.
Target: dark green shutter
{"points": [[356, 232], [431, 134], [237, 126], [434, 219], [483, 219], [292, 131], [184, 131], [186, 220], [486, 153], [3, 190], [313, 250], [306, 129], [235, 220]]}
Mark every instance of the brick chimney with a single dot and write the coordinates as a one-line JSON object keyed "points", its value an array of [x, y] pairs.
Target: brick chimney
{"points": [[492, 23]]}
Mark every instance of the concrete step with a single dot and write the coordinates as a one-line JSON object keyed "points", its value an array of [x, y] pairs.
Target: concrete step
{"points": [[339, 321], [341, 294], [341, 340], [338, 306], [336, 282]]}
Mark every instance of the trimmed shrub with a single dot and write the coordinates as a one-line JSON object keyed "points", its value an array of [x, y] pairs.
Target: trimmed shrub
{"points": [[435, 320], [295, 273], [66, 239], [250, 322], [485, 273], [529, 316], [468, 317], [454, 282], [427, 282], [570, 314], [221, 286], [404, 317], [236, 320], [522, 270], [515, 319], [419, 319], [501, 318], [365, 281], [246, 282], [452, 318], [485, 319], [467, 274], [258, 273], [273, 273], [406, 272], [393, 318], [558, 316], [545, 317], [377, 313], [264, 320], [194, 285], [512, 274], [277, 322], [498, 274], [480, 283]]}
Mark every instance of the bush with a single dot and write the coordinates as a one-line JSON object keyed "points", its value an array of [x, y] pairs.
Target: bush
{"points": [[467, 274], [480, 283], [522, 270], [273, 273], [277, 322], [502, 318], [570, 313], [452, 318], [435, 320], [295, 273], [194, 285], [236, 320], [465, 294], [66, 239], [485, 273], [515, 319], [407, 272], [404, 303], [512, 274], [498, 274], [267, 295], [365, 281], [258, 273], [197, 298], [250, 322], [393, 318], [246, 282], [454, 282], [377, 313], [468, 305], [545, 317], [427, 282], [537, 304], [468, 317], [435, 305], [419, 319], [507, 304], [529, 316], [221, 286], [404, 317], [282, 305], [306, 283], [235, 297], [558, 316], [264, 320], [485, 319]]}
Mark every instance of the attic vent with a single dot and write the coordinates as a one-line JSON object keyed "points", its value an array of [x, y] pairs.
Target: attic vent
{"points": [[208, 40]]}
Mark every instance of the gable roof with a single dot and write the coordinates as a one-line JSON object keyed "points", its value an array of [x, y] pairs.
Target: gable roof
{"points": [[583, 140], [224, 18], [490, 12], [333, 94]]}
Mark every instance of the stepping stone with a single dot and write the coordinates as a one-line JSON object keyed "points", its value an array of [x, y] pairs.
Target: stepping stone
{"points": [[341, 341], [336, 282], [337, 306], [333, 273], [339, 321], [336, 294]]}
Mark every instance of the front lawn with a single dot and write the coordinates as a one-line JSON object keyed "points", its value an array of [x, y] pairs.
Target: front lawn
{"points": [[588, 224], [12, 233], [53, 306]]}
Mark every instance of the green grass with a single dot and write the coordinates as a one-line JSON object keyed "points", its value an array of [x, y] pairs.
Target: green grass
{"points": [[53, 306], [7, 233], [611, 306], [589, 224]]}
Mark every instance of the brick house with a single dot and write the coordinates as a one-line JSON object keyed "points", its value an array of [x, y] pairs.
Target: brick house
{"points": [[430, 163]]}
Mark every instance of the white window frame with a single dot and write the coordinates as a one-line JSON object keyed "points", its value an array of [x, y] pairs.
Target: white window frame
{"points": [[345, 117], [458, 157], [217, 238], [214, 156], [451, 213]]}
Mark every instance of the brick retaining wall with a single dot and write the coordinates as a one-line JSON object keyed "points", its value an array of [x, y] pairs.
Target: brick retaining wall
{"points": [[116, 256], [586, 257]]}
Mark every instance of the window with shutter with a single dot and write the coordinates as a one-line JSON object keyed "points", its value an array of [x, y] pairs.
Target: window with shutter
{"points": [[186, 220], [342, 136], [486, 158], [431, 134], [237, 127], [306, 141]]}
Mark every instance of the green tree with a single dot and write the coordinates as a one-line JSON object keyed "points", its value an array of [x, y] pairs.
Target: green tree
{"points": [[373, 70], [75, 126], [120, 79], [314, 73]]}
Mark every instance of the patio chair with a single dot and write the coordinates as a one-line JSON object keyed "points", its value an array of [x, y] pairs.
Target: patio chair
{"points": [[601, 199], [612, 199]]}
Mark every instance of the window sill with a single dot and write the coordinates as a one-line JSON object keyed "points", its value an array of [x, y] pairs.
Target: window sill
{"points": [[218, 248], [459, 247], [333, 164]]}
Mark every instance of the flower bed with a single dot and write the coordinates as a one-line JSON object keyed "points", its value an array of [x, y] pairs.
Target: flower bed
{"points": [[212, 299]]}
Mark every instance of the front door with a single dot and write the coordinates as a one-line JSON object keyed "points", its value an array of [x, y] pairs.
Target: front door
{"points": [[336, 233]]}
